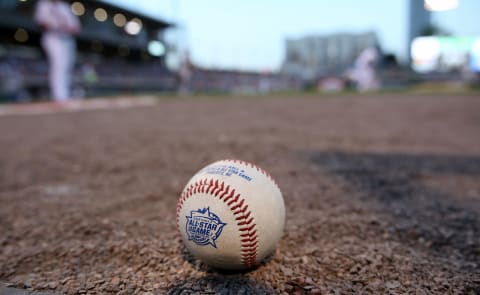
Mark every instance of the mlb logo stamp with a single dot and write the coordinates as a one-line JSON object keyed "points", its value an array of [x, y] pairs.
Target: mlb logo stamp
{"points": [[204, 227]]}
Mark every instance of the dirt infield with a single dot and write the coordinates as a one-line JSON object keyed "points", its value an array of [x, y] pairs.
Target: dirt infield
{"points": [[382, 195]]}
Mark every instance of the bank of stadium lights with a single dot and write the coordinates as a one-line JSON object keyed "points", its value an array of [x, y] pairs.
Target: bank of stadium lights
{"points": [[134, 26], [440, 5], [100, 14], [119, 20], [78, 8], [156, 48]]}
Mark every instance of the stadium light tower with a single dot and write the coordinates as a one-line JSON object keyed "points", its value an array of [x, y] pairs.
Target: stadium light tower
{"points": [[419, 19]]}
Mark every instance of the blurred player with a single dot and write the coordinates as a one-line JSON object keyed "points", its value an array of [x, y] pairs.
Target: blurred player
{"points": [[185, 75], [59, 26], [364, 73]]}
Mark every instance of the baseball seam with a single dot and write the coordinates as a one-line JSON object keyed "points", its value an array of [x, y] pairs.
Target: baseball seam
{"points": [[242, 215]]}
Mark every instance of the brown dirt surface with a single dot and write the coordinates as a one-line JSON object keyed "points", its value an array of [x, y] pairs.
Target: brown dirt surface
{"points": [[382, 195]]}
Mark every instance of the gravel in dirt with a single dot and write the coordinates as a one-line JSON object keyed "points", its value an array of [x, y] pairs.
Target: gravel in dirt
{"points": [[382, 195]]}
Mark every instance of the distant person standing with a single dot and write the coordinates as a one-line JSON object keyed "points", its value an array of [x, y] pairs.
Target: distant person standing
{"points": [[185, 75], [59, 26], [364, 72]]}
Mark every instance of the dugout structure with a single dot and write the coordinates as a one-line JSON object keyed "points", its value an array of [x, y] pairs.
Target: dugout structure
{"points": [[117, 50]]}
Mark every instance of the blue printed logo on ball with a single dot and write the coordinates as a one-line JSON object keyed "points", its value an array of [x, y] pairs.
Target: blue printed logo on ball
{"points": [[204, 227]]}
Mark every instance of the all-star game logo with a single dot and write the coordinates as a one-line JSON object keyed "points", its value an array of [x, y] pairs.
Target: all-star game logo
{"points": [[204, 227]]}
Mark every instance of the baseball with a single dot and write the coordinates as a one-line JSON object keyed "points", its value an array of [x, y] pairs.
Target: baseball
{"points": [[231, 215]]}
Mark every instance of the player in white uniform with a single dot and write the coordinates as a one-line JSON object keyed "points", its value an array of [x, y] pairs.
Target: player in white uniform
{"points": [[364, 72], [59, 25]]}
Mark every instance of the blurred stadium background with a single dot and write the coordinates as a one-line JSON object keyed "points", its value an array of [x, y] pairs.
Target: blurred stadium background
{"points": [[122, 51]]}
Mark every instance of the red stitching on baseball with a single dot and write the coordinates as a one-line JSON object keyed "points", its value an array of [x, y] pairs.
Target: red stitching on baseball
{"points": [[246, 222], [249, 239], [238, 205], [246, 216], [218, 189], [233, 201], [226, 190], [232, 193], [248, 228]]}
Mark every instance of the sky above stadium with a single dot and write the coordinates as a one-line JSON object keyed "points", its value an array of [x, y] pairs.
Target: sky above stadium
{"points": [[250, 34]]}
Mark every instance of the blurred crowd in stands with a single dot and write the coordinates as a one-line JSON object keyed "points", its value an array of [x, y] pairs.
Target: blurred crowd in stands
{"points": [[25, 79]]}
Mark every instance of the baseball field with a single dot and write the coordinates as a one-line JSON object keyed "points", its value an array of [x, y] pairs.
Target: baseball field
{"points": [[382, 193]]}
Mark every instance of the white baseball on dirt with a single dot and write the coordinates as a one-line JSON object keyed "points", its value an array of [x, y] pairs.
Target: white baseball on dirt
{"points": [[231, 215]]}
